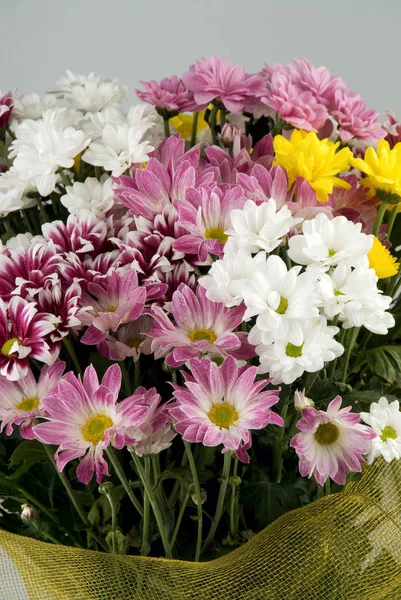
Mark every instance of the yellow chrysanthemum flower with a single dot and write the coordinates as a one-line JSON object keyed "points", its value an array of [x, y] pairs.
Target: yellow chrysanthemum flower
{"points": [[382, 261], [383, 171], [183, 124], [317, 161]]}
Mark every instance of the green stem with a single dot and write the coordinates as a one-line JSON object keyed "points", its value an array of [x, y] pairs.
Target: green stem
{"points": [[124, 481], [351, 342], [145, 548], [212, 124], [195, 117], [113, 521], [98, 173], [278, 451], [391, 221], [27, 221], [70, 349], [234, 502], [126, 378], [42, 209], [153, 502], [379, 218], [327, 490], [64, 178], [173, 496], [320, 490], [166, 124], [10, 133], [222, 118], [179, 518], [220, 499], [45, 534], [310, 380], [198, 496]]}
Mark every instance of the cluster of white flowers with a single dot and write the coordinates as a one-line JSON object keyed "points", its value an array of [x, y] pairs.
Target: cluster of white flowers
{"points": [[326, 277]]}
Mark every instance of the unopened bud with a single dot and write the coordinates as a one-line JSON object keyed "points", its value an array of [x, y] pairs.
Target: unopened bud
{"points": [[203, 497], [234, 480], [105, 488], [229, 133], [28, 513], [301, 401]]}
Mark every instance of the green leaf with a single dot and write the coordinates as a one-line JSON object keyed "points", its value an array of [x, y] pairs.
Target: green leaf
{"points": [[385, 362], [26, 455]]}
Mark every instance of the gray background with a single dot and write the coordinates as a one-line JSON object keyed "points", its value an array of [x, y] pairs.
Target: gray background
{"points": [[148, 39]]}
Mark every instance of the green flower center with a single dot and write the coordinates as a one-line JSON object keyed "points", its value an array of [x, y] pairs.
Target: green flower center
{"points": [[282, 307], [202, 334], [388, 432], [293, 351], [223, 415], [338, 293], [28, 404], [94, 428], [332, 253], [327, 433], [6, 347], [216, 233]]}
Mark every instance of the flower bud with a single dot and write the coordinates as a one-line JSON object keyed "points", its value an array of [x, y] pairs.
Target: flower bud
{"points": [[234, 480], [203, 497], [301, 401], [28, 513], [105, 488], [229, 133]]}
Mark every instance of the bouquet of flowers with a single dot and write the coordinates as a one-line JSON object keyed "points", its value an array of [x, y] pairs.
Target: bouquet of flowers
{"points": [[199, 305]]}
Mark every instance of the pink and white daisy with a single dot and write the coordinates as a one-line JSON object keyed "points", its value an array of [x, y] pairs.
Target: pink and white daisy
{"points": [[215, 79], [84, 418], [63, 304], [221, 405], [22, 333], [129, 340], [169, 94], [200, 327], [82, 233], [331, 443], [21, 401]]}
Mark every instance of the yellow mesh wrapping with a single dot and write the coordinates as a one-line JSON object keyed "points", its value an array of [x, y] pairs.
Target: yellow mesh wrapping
{"points": [[346, 546]]}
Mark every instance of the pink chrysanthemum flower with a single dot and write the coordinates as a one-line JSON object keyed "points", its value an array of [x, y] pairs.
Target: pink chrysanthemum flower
{"points": [[205, 214], [6, 107], [130, 340], [220, 405], [63, 304], [84, 233], [215, 79], [393, 129], [84, 418], [169, 94], [331, 443], [354, 119], [318, 81], [22, 333], [108, 306], [200, 326], [21, 401], [355, 204]]}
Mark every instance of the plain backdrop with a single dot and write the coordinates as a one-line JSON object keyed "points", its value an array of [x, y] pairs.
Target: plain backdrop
{"points": [[150, 39]]}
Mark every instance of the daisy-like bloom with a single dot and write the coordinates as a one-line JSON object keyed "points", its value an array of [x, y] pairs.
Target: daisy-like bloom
{"points": [[84, 418], [199, 327], [91, 195], [206, 215], [215, 79], [32, 106], [327, 242], [355, 297], [6, 108], [280, 297], [228, 277], [331, 443], [22, 333], [41, 147], [63, 303], [90, 93], [306, 347], [108, 306], [354, 119], [170, 95], [260, 227], [316, 161], [383, 171], [384, 418], [21, 401], [221, 405], [129, 340], [382, 261]]}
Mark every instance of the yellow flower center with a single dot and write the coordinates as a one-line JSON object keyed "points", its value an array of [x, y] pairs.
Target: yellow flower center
{"points": [[327, 433], [135, 342], [223, 415], [388, 432], [202, 334], [28, 404], [110, 309], [282, 307], [382, 261], [293, 351], [6, 347], [216, 233], [94, 428]]}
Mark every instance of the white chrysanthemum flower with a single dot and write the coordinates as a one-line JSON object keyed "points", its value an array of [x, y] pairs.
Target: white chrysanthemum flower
{"points": [[24, 241], [120, 147], [32, 106], [385, 419], [13, 193], [260, 227], [90, 93], [42, 147], [327, 242], [306, 347], [148, 116], [92, 195], [279, 297], [353, 294], [96, 122], [228, 278]]}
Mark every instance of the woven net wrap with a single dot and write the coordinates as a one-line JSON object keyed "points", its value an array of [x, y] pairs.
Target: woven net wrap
{"points": [[345, 546]]}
